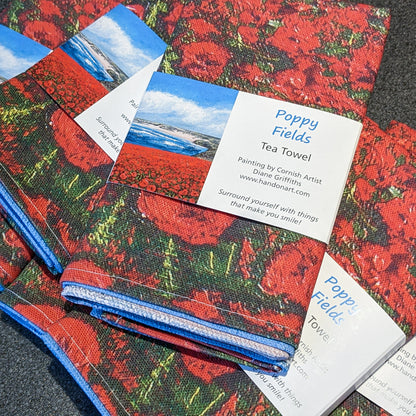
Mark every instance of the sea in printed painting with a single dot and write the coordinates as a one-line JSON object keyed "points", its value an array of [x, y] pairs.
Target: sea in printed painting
{"points": [[18, 53], [115, 47], [182, 115], [172, 139], [92, 59]]}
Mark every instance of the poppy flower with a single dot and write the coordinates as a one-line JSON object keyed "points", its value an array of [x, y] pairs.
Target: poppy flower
{"points": [[192, 224], [87, 154]]}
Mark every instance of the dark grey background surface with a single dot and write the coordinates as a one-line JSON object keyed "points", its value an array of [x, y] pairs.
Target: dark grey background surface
{"points": [[34, 383]]}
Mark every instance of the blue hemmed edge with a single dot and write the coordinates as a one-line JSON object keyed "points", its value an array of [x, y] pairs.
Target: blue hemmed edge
{"points": [[21, 320], [75, 374], [252, 337], [256, 359], [58, 353], [283, 365], [24, 225], [275, 344]]}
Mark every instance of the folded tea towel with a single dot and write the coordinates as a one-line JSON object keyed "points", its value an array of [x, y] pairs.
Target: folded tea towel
{"points": [[239, 286]]}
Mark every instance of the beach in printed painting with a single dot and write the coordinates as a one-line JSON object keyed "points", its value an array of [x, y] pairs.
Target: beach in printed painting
{"points": [[115, 47], [17, 53], [182, 115]]}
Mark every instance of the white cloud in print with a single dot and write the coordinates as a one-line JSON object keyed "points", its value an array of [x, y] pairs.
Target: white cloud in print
{"points": [[11, 64], [112, 39], [180, 112]]}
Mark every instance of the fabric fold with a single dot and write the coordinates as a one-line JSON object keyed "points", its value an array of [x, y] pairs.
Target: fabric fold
{"points": [[23, 224], [126, 374]]}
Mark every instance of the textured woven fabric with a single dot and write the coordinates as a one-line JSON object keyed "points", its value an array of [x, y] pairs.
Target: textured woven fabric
{"points": [[52, 23], [404, 135], [211, 266], [34, 298], [123, 373], [65, 342], [14, 254], [76, 84], [374, 233], [176, 266], [358, 405], [51, 171], [317, 53]]}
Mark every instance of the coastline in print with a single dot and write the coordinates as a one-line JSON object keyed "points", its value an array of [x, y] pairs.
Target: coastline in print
{"points": [[182, 115], [172, 139], [115, 47]]}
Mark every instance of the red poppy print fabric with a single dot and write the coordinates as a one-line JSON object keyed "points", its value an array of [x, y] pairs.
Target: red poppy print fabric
{"points": [[317, 53], [51, 23], [374, 233], [122, 372], [34, 298], [358, 405], [73, 88], [148, 247], [161, 16], [368, 157], [14, 253], [118, 369], [403, 134], [31, 157], [54, 171], [76, 85], [129, 374]]}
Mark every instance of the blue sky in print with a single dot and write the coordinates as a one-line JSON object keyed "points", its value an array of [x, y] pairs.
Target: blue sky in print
{"points": [[124, 38], [187, 104], [18, 53]]}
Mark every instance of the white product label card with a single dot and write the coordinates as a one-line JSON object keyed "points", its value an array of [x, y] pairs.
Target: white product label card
{"points": [[393, 386], [282, 164], [346, 336]]}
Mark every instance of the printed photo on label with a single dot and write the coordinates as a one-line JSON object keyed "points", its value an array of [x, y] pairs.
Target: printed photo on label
{"points": [[174, 136], [114, 47]]}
